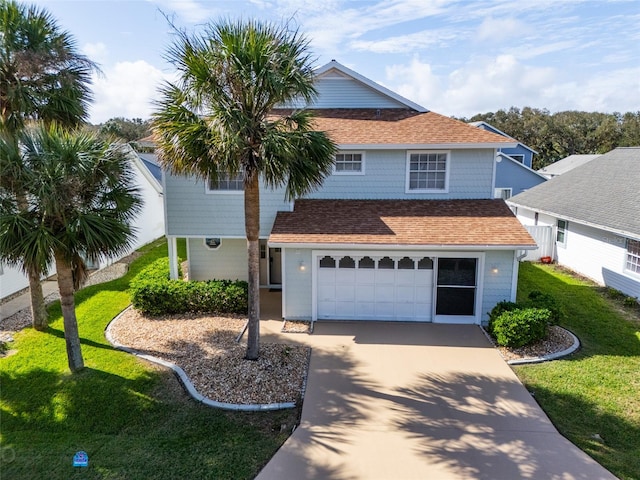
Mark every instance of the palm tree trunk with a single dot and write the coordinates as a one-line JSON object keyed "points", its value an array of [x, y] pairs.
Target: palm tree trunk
{"points": [[252, 227], [71, 336], [38, 309]]}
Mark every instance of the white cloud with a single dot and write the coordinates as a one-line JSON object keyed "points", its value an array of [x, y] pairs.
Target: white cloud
{"points": [[125, 90], [415, 81], [96, 52], [479, 86], [190, 11], [616, 90], [490, 84], [496, 30], [405, 43]]}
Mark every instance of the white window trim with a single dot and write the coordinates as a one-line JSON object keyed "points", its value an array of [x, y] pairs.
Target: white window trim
{"points": [[349, 172], [427, 190], [626, 257], [208, 247], [497, 193], [565, 230], [518, 157], [210, 191]]}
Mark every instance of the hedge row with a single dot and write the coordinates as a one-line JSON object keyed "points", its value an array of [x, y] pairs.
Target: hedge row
{"points": [[153, 293], [519, 324]]}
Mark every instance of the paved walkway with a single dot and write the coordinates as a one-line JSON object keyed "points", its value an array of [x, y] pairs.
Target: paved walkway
{"points": [[405, 401]]}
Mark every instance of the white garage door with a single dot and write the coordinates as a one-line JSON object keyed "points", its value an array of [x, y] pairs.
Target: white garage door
{"points": [[363, 287]]}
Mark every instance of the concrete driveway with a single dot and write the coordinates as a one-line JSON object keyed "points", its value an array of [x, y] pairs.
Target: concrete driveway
{"points": [[424, 401]]}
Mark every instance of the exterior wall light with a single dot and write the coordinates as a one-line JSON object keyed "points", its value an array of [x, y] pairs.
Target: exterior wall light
{"points": [[302, 266]]}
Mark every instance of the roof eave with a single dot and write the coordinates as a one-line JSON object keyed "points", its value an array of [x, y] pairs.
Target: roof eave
{"points": [[569, 218], [419, 146], [401, 247]]}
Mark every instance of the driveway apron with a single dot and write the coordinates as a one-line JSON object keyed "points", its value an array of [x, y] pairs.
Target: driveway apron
{"points": [[416, 401]]}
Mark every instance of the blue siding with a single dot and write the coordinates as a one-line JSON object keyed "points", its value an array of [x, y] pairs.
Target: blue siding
{"points": [[190, 211], [515, 176], [348, 93], [496, 286], [471, 174], [298, 284], [520, 150], [227, 262]]}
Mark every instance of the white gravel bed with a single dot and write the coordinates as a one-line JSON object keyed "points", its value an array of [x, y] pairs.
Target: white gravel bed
{"points": [[205, 348], [557, 341]]}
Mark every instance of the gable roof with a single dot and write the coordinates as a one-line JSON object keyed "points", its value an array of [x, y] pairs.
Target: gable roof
{"points": [[604, 194], [335, 68], [397, 127], [566, 164], [521, 165], [414, 223], [491, 128]]}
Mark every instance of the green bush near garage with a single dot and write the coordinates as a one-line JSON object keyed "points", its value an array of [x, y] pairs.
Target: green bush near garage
{"points": [[520, 327], [155, 294], [515, 325]]}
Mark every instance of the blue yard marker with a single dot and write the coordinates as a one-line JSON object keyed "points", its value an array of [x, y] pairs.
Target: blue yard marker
{"points": [[81, 459]]}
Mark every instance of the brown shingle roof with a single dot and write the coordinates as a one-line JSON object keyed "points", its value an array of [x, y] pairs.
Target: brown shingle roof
{"points": [[401, 222], [396, 126]]}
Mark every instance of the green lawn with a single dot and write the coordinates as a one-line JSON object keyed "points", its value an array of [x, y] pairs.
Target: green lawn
{"points": [[133, 419], [597, 390]]}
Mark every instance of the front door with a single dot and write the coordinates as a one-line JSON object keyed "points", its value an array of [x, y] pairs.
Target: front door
{"points": [[275, 266]]}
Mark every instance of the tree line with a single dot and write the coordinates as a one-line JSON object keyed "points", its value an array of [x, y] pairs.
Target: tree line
{"points": [[557, 135]]}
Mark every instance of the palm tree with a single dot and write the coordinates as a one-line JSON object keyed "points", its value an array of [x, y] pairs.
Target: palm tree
{"points": [[217, 120], [42, 78], [80, 202]]}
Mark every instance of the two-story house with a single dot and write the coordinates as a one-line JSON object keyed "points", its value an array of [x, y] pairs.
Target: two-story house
{"points": [[406, 228]]}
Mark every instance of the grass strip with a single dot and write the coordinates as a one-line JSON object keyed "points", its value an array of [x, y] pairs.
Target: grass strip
{"points": [[133, 419], [593, 396]]}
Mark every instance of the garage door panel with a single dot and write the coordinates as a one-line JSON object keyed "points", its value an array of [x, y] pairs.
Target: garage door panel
{"points": [[345, 276], [405, 294], [345, 293], [400, 293]]}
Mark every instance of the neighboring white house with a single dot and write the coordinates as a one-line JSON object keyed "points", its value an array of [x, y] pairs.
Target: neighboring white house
{"points": [[406, 228], [149, 223], [565, 165], [594, 210]]}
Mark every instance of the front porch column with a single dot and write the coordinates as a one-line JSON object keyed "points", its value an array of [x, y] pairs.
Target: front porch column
{"points": [[172, 244]]}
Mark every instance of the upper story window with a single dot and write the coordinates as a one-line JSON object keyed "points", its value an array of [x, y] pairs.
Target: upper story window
{"points": [[561, 232], [226, 183], [427, 172], [633, 256], [518, 157], [351, 163]]}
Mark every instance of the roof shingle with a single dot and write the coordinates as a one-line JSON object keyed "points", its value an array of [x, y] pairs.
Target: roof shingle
{"points": [[401, 222], [604, 192], [397, 126]]}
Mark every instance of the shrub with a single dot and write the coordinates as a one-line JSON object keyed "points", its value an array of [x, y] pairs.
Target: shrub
{"points": [[544, 300], [520, 327], [153, 293], [630, 302], [613, 293], [498, 310]]}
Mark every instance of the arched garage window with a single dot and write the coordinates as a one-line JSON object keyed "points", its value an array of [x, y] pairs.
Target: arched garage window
{"points": [[347, 262], [366, 262], [456, 290], [386, 263], [327, 262]]}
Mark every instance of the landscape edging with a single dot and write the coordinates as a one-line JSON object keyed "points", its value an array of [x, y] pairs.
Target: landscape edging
{"points": [[188, 385]]}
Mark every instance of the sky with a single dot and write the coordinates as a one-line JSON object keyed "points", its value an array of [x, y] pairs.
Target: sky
{"points": [[457, 58]]}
